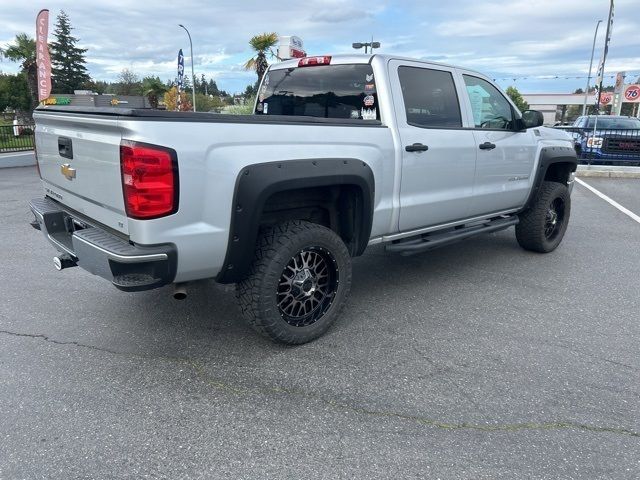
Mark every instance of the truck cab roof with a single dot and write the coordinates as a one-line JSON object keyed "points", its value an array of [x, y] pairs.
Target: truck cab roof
{"points": [[359, 58]]}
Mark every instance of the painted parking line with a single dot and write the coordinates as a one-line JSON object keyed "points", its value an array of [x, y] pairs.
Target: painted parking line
{"points": [[609, 200]]}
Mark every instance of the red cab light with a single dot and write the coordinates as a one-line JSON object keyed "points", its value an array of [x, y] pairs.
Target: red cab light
{"points": [[311, 61], [149, 180]]}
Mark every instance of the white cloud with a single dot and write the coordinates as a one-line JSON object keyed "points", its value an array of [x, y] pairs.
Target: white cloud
{"points": [[546, 37]]}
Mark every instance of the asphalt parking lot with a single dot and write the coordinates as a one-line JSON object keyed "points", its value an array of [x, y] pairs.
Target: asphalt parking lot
{"points": [[479, 360]]}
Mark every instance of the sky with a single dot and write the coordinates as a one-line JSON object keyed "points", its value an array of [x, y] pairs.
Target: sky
{"points": [[516, 42]]}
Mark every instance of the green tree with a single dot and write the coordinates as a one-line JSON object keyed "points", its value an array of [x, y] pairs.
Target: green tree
{"points": [[14, 93], [251, 90], [153, 88], [212, 88], [516, 98], [98, 86], [67, 60], [201, 85], [24, 50], [208, 103], [128, 83], [262, 44]]}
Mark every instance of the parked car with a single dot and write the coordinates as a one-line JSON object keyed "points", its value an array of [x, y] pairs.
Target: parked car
{"points": [[607, 138], [343, 152]]}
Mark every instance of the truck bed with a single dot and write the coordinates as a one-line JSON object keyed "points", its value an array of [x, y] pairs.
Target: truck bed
{"points": [[171, 116], [211, 151]]}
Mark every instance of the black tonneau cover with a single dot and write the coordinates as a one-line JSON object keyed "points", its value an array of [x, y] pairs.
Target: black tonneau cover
{"points": [[170, 116]]}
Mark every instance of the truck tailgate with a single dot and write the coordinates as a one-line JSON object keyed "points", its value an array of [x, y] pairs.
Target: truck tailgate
{"points": [[79, 160]]}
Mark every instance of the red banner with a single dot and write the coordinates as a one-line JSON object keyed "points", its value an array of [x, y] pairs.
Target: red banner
{"points": [[42, 55]]}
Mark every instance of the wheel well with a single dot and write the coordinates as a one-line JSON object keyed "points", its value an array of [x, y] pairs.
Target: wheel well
{"points": [[559, 172], [338, 207]]}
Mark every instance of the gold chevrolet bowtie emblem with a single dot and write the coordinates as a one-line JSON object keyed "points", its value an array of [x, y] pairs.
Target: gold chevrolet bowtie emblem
{"points": [[68, 171]]}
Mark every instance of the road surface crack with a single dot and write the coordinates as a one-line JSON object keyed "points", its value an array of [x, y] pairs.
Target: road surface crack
{"points": [[514, 427], [46, 338], [201, 371]]}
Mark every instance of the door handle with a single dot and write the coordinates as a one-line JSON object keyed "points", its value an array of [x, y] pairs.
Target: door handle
{"points": [[487, 146], [416, 147]]}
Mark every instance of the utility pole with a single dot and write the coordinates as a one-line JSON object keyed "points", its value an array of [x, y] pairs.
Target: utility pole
{"points": [[604, 58], [586, 90]]}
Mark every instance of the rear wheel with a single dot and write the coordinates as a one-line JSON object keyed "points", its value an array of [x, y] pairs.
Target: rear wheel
{"points": [[298, 282], [542, 227]]}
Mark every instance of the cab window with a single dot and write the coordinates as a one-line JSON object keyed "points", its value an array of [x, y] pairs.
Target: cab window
{"points": [[430, 99], [325, 91], [490, 108]]}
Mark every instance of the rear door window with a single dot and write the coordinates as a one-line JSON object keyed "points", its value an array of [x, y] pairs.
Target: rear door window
{"points": [[326, 91], [430, 99]]}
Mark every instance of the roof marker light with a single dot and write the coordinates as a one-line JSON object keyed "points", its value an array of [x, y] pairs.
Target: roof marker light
{"points": [[312, 61]]}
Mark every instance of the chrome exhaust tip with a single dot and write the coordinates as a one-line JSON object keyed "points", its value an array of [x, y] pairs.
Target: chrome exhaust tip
{"points": [[63, 261]]}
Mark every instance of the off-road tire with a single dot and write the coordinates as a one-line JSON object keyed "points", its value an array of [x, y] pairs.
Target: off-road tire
{"points": [[277, 248], [536, 231]]}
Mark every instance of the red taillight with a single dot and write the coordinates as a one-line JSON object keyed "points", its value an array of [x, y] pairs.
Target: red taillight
{"points": [[149, 180], [311, 61]]}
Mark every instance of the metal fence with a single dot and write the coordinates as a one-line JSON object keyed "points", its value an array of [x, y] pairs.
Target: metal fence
{"points": [[606, 146], [14, 138]]}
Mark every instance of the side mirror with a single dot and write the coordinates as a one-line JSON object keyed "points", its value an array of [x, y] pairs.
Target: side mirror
{"points": [[532, 118]]}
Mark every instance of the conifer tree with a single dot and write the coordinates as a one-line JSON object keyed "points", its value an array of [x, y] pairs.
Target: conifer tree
{"points": [[67, 60]]}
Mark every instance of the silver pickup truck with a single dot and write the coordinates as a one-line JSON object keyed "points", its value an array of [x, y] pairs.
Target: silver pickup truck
{"points": [[342, 152]]}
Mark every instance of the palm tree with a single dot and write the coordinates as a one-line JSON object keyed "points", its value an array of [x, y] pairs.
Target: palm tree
{"points": [[24, 50], [262, 44], [153, 88]]}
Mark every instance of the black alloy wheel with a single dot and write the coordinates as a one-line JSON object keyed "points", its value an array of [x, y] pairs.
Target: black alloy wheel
{"points": [[543, 225], [298, 283], [554, 218], [307, 286]]}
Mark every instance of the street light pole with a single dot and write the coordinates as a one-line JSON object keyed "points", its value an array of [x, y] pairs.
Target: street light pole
{"points": [[370, 45], [193, 75], [593, 48]]}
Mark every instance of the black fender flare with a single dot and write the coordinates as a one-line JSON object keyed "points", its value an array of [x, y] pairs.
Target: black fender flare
{"points": [[548, 157], [257, 182]]}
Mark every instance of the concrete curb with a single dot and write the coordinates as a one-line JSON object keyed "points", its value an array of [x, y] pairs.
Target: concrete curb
{"points": [[608, 171], [17, 159]]}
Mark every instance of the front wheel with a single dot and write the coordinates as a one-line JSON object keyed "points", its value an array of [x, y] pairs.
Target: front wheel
{"points": [[298, 283], [542, 227]]}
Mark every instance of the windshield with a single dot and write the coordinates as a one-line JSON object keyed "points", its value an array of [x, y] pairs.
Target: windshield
{"points": [[328, 91], [614, 123]]}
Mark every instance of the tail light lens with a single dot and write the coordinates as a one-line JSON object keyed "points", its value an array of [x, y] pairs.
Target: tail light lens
{"points": [[149, 180]]}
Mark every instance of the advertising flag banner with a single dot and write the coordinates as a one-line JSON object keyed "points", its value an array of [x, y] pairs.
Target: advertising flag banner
{"points": [[43, 60], [180, 70]]}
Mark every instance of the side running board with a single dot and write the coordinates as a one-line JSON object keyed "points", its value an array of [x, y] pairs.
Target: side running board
{"points": [[437, 239]]}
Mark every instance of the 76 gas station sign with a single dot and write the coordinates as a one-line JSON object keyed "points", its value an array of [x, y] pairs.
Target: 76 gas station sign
{"points": [[632, 93]]}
